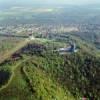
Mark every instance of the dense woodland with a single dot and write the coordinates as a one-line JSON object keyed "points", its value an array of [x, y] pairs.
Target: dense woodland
{"points": [[76, 74]]}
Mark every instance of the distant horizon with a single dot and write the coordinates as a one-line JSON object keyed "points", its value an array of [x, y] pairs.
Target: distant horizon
{"points": [[73, 2], [12, 3], [48, 5]]}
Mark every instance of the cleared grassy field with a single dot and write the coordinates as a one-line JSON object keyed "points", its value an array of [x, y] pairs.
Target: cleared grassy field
{"points": [[11, 49]]}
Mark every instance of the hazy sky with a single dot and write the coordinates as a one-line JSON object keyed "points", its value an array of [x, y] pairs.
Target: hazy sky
{"points": [[27, 2]]}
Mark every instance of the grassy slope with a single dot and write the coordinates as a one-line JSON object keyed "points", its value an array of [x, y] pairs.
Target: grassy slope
{"points": [[32, 83], [17, 89], [8, 54]]}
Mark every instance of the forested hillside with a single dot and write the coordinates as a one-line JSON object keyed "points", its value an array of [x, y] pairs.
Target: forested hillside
{"points": [[40, 73]]}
